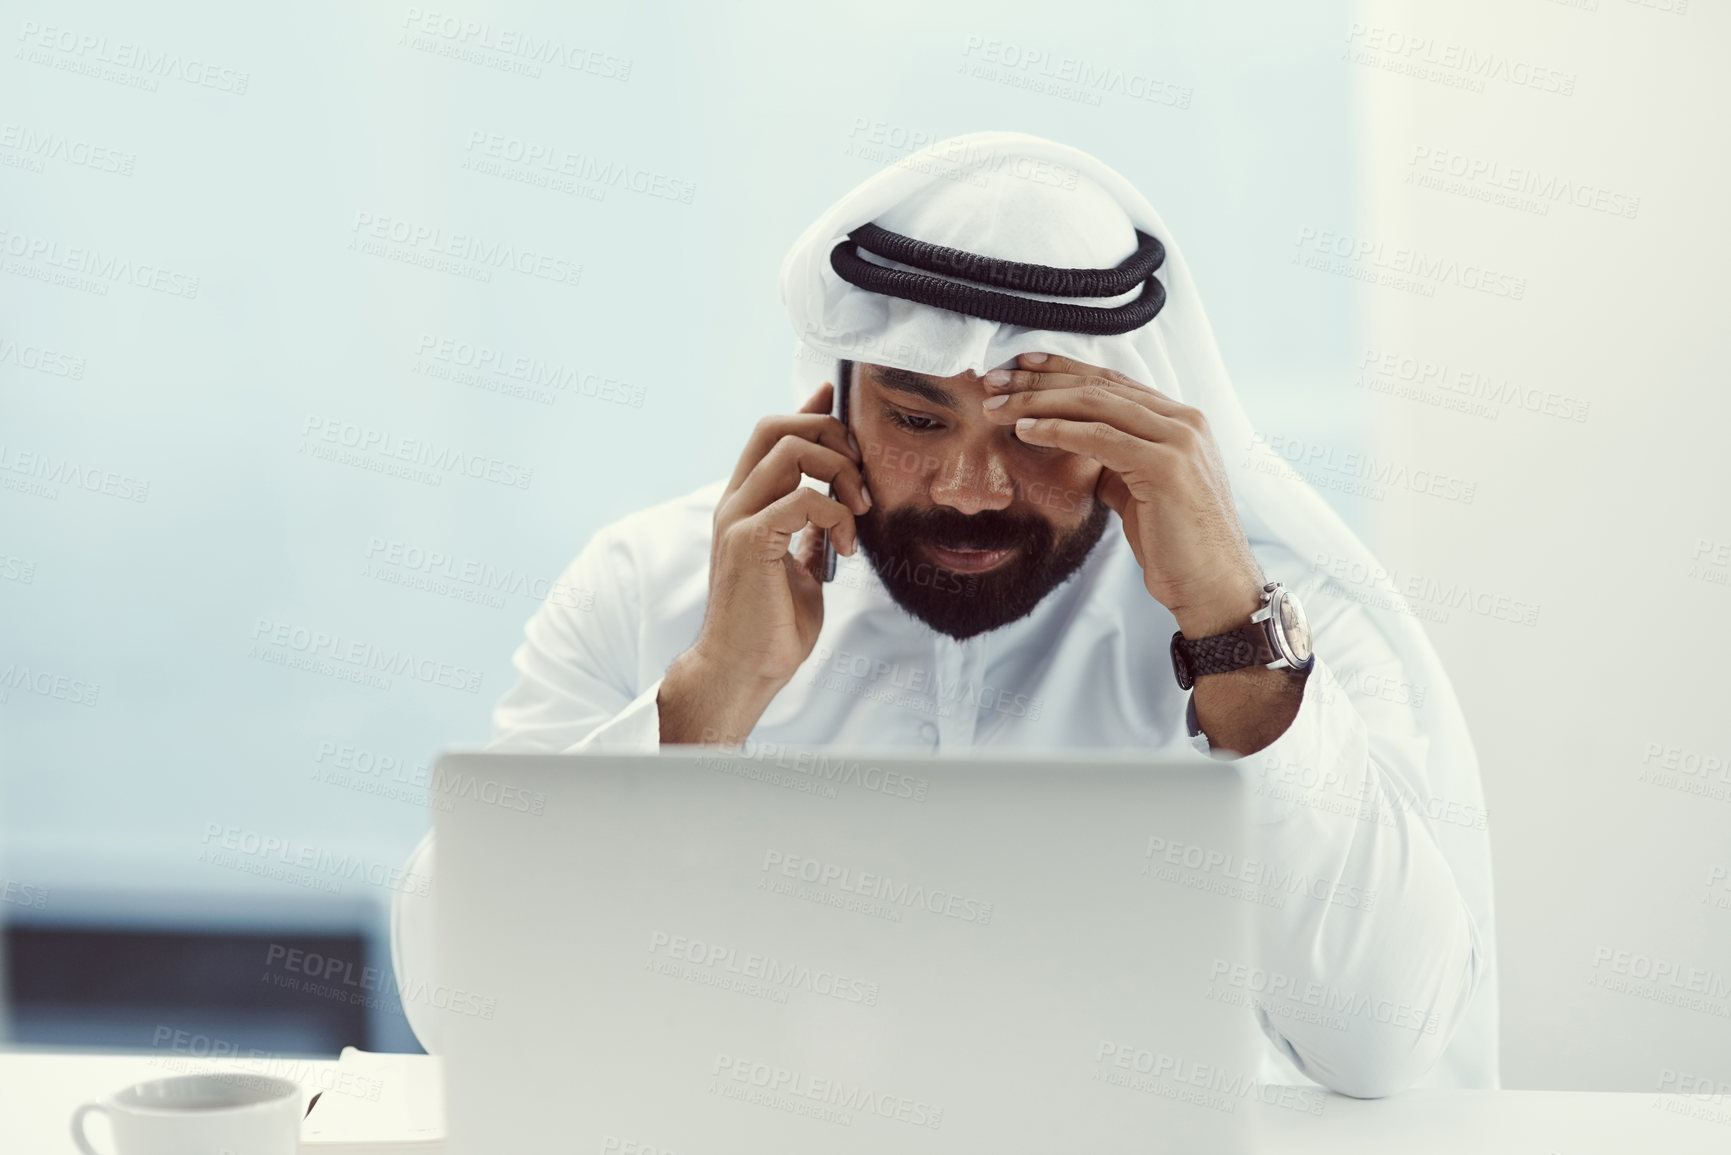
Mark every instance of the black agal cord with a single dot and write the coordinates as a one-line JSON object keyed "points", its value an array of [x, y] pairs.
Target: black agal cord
{"points": [[974, 300]]}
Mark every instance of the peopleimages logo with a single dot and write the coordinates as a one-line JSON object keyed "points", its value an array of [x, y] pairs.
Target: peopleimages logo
{"points": [[253, 852], [1186, 1080], [1718, 879], [80, 261], [41, 359], [801, 1088], [880, 887], [1326, 996], [463, 253], [1368, 259], [774, 974], [37, 146], [468, 579], [44, 473], [1068, 77], [1378, 474], [1369, 799], [339, 979], [817, 766], [1455, 65], [311, 1074], [1264, 882], [1469, 385], [517, 374], [489, 791], [1700, 1086], [1423, 596], [926, 689], [16, 678], [1520, 186], [452, 35], [32, 897], [361, 656], [584, 168], [1662, 980], [416, 457], [88, 53]]}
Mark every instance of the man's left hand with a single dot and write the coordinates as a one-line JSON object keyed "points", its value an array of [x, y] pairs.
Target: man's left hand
{"points": [[1161, 473]]}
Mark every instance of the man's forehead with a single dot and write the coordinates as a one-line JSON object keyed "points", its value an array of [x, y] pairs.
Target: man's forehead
{"points": [[945, 391]]}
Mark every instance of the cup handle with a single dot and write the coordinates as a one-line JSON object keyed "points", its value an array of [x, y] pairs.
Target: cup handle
{"points": [[78, 1127]]}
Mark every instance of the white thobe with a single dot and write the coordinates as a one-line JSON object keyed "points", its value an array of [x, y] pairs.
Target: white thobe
{"points": [[1373, 996]]}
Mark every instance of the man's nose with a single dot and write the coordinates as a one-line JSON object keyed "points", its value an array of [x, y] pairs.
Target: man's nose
{"points": [[974, 481]]}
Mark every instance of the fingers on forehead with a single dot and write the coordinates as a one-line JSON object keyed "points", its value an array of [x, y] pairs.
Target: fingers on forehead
{"points": [[1024, 380], [1057, 362], [1054, 363]]}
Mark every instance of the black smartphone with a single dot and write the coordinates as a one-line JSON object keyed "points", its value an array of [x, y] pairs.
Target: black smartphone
{"points": [[844, 377]]}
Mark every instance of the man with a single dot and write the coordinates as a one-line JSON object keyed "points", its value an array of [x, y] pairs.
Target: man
{"points": [[1056, 530]]}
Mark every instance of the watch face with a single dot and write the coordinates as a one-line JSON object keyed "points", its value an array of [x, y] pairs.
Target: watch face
{"points": [[1294, 628]]}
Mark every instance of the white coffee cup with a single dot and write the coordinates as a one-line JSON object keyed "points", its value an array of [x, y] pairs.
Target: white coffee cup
{"points": [[219, 1114]]}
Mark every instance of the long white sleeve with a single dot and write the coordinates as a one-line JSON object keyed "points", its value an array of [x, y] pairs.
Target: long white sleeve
{"points": [[576, 670], [1369, 957], [578, 663]]}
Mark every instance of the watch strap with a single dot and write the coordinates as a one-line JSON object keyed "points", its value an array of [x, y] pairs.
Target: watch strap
{"points": [[1220, 653]]}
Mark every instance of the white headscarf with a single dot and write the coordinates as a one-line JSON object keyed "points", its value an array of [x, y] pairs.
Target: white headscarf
{"points": [[1018, 197]]}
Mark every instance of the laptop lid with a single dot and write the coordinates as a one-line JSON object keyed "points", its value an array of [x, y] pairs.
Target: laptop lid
{"points": [[801, 951]]}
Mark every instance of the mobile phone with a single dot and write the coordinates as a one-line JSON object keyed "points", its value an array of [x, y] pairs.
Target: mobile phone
{"points": [[844, 377]]}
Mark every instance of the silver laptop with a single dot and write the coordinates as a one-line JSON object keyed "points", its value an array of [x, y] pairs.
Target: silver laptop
{"points": [[777, 951]]}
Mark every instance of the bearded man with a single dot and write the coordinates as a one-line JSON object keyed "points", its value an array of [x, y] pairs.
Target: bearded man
{"points": [[1055, 531]]}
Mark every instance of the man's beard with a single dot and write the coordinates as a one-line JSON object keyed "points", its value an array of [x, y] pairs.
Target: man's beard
{"points": [[964, 604]]}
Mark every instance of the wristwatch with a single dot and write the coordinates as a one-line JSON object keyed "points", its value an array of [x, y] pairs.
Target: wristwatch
{"points": [[1277, 635]]}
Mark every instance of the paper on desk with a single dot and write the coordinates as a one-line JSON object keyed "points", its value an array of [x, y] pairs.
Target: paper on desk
{"points": [[381, 1105]]}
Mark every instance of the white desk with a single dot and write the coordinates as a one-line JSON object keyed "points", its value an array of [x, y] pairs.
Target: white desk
{"points": [[39, 1090], [1495, 1122]]}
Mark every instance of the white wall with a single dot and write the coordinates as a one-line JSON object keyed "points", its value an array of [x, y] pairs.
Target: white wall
{"points": [[1600, 523]]}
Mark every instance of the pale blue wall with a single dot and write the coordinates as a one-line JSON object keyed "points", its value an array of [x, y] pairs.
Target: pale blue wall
{"points": [[256, 194]]}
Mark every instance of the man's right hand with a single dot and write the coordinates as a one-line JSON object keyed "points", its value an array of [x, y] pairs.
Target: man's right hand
{"points": [[765, 604]]}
